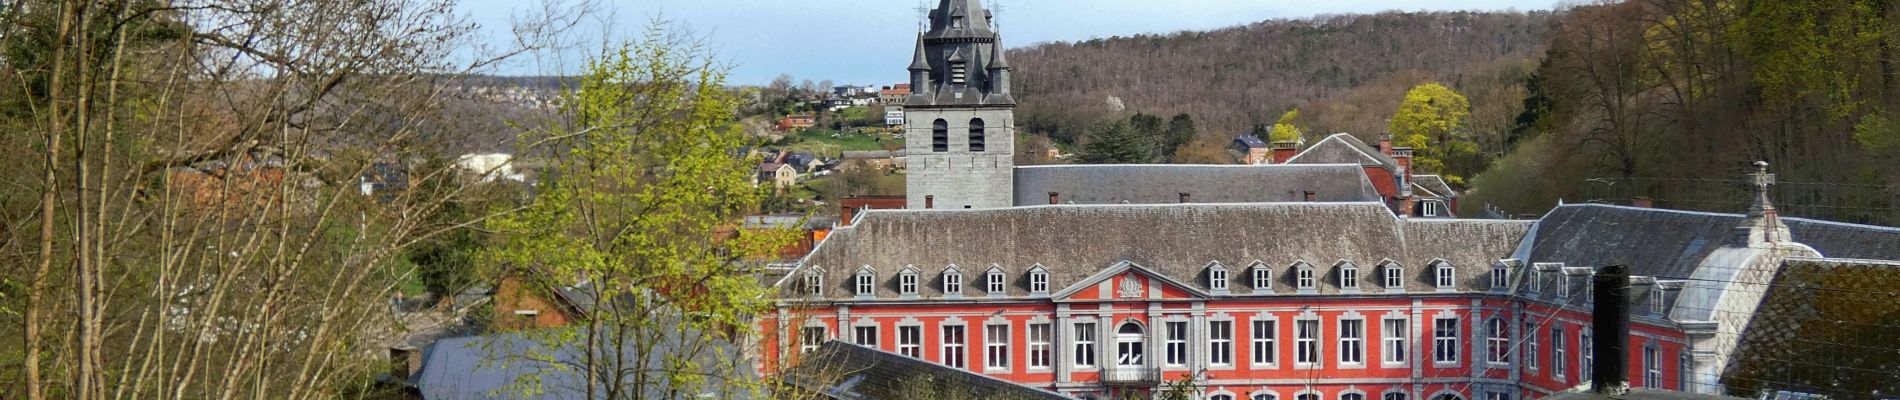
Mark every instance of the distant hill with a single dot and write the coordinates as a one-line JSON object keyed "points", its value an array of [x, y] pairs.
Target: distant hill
{"points": [[1346, 73]]}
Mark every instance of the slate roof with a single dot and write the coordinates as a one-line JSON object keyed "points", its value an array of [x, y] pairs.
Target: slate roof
{"points": [[1670, 243], [1177, 241], [1250, 142], [1163, 184], [1344, 148], [1640, 394], [1824, 327], [840, 370], [474, 367], [1434, 185]]}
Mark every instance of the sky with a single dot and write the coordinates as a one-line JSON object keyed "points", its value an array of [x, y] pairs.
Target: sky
{"points": [[868, 42]]}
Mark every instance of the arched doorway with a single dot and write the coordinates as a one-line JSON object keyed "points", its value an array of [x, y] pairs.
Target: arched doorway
{"points": [[1128, 345]]}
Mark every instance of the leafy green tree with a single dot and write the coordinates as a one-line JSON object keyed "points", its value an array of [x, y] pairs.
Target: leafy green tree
{"points": [[645, 183], [1284, 130], [1433, 121], [1181, 130], [1115, 142]]}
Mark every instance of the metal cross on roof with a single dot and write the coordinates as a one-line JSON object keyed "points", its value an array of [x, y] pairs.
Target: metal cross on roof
{"points": [[1762, 179], [996, 14], [923, 16]]}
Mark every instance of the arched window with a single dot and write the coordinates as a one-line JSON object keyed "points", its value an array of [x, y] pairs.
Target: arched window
{"points": [[1352, 396], [940, 136], [1264, 396], [976, 135], [1128, 349], [1395, 396], [1220, 397]]}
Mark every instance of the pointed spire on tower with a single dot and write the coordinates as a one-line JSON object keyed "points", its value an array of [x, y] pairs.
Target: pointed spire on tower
{"points": [[917, 61], [996, 55]]}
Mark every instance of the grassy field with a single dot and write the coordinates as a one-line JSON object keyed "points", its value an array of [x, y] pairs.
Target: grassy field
{"points": [[830, 143]]}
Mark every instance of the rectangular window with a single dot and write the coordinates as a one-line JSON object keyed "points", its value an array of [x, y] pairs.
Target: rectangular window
{"points": [[1586, 357], [1684, 366], [1176, 343], [1563, 287], [1306, 278], [1394, 278], [1264, 343], [810, 337], [865, 336], [1085, 344], [1535, 283], [1262, 278], [1349, 278], [953, 342], [1393, 340], [1352, 341], [952, 284], [1500, 277], [1220, 349], [995, 283], [1306, 342], [996, 347], [1445, 340], [1217, 279], [1652, 368], [1558, 348], [1039, 282], [1446, 277], [1655, 300], [1530, 346], [910, 341], [907, 284], [1039, 335], [864, 285], [1499, 336]]}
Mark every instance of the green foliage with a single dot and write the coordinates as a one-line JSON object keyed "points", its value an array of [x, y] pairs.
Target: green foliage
{"points": [[1433, 121], [1116, 142], [1284, 130], [1815, 49], [1878, 134], [645, 183]]}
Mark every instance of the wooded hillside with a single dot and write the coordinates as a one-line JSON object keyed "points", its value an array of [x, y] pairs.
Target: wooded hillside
{"points": [[1346, 73]]}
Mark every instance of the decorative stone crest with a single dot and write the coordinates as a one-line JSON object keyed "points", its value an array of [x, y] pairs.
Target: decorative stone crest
{"points": [[1131, 287]]}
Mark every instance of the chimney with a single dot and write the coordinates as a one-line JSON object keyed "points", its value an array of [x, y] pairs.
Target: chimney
{"points": [[930, 202], [1404, 156], [1312, 197], [1407, 205], [1611, 322], [1187, 198], [1385, 144], [1643, 202], [1283, 151], [404, 363], [1055, 198]]}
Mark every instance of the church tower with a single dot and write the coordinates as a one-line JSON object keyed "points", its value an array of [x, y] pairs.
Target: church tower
{"points": [[959, 123]]}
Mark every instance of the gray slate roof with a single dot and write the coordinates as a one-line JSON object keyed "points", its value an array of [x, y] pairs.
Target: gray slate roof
{"points": [[1343, 148], [1824, 327], [1177, 241], [1434, 183], [1670, 243], [474, 367], [841, 370], [1163, 184]]}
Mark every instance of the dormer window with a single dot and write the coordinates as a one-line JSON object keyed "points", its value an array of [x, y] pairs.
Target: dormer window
{"points": [[1563, 287], [907, 283], [1446, 277], [1262, 278], [1656, 300], [1304, 275], [1535, 284], [865, 283], [1500, 277], [814, 283], [956, 22], [993, 282], [1394, 276], [1348, 276], [1038, 281], [952, 282], [1217, 277]]}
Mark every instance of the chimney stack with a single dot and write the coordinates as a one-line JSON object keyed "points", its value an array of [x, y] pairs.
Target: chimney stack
{"points": [[1312, 197], [1385, 144], [1404, 156], [930, 202], [1643, 202], [1283, 151], [1186, 198], [1611, 323], [1055, 198]]}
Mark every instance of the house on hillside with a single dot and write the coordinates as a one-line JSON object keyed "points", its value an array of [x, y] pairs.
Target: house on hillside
{"points": [[797, 121], [1390, 170], [1251, 150], [780, 175]]}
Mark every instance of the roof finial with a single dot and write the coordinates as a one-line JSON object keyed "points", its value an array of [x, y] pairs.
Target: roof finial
{"points": [[923, 16], [1763, 224]]}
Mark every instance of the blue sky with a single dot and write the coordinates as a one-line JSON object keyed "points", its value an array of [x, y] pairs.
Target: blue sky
{"points": [[868, 41]]}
